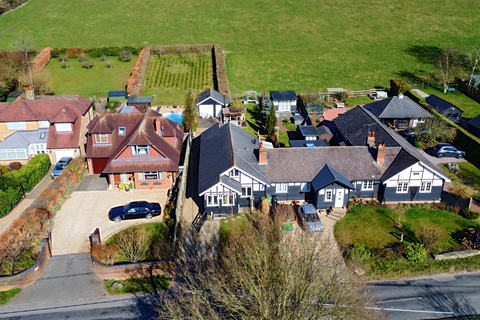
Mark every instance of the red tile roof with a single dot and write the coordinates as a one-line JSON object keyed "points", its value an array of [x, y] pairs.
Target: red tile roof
{"points": [[140, 130], [65, 115]]}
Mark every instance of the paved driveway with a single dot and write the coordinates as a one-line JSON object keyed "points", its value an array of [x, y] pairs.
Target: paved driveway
{"points": [[87, 210], [93, 182]]}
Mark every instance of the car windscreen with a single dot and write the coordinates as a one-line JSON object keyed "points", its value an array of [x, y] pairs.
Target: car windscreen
{"points": [[59, 167], [311, 217]]}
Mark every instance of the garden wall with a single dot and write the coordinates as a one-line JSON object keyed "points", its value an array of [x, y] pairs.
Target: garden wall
{"points": [[465, 139], [42, 60], [133, 270], [27, 277]]}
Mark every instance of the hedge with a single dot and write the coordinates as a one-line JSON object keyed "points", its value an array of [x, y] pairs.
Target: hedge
{"points": [[398, 86], [94, 52], [220, 71], [465, 139], [31, 173], [182, 48]]}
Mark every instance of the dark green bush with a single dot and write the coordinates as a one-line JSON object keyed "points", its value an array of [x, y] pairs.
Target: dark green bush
{"points": [[8, 199], [469, 214], [398, 86]]}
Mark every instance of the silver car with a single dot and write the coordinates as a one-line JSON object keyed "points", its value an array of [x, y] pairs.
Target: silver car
{"points": [[310, 218]]}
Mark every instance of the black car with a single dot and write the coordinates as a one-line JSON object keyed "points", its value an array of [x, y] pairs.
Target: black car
{"points": [[447, 150], [135, 210]]}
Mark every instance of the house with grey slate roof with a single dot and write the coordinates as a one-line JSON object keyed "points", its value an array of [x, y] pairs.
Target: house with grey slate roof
{"points": [[444, 107], [474, 126], [210, 104], [284, 101], [21, 145], [235, 170], [399, 112]]}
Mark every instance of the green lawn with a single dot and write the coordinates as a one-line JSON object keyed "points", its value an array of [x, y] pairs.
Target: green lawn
{"points": [[271, 45], [170, 77], [153, 284], [373, 227], [470, 173], [88, 83], [6, 296], [252, 114], [470, 107]]}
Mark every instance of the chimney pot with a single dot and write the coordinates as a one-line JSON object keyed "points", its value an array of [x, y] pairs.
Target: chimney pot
{"points": [[29, 93], [371, 139]]}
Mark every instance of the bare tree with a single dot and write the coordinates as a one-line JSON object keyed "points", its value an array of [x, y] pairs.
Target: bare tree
{"points": [[265, 274], [87, 63], [125, 55], [473, 58], [132, 244], [83, 57], [23, 45], [104, 58], [42, 81], [65, 65], [449, 65], [63, 58], [16, 254]]}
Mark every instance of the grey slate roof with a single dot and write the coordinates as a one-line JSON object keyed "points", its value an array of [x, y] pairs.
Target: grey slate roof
{"points": [[397, 108], [475, 122], [234, 184], [117, 93], [308, 131], [326, 176], [323, 130], [211, 93], [307, 143], [283, 95], [139, 99], [439, 104], [22, 139]]}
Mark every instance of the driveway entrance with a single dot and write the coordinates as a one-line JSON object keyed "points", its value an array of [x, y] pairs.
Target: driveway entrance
{"points": [[93, 182], [86, 210]]}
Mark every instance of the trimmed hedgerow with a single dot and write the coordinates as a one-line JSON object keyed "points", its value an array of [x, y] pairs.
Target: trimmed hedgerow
{"points": [[398, 86]]}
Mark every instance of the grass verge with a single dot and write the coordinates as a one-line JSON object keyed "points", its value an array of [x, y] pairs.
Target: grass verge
{"points": [[152, 284], [470, 107], [6, 296]]}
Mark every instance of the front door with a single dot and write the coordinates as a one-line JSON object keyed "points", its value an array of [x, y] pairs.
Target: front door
{"points": [[339, 198]]}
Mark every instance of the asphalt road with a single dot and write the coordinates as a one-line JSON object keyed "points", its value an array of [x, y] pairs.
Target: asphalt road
{"points": [[437, 297]]}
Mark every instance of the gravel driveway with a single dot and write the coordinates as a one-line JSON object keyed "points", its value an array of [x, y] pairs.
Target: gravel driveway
{"points": [[87, 210]]}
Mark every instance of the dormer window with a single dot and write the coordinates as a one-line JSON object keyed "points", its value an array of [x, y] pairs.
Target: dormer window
{"points": [[63, 127], [43, 123], [122, 131], [140, 150], [101, 138]]}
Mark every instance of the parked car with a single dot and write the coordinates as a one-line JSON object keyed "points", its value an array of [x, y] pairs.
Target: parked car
{"points": [[310, 218], [62, 163], [447, 150], [135, 210], [408, 133]]}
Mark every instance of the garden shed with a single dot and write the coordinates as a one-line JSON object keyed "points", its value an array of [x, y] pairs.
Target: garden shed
{"points": [[117, 96], [444, 107], [141, 103]]}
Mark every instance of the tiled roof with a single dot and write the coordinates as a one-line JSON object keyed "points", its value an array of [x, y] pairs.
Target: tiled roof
{"points": [[326, 176], [439, 104], [398, 107], [475, 122], [23, 138], [139, 129], [283, 95], [211, 93], [66, 115]]}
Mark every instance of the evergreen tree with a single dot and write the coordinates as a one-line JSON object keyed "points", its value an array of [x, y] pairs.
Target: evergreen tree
{"points": [[190, 113], [271, 122]]}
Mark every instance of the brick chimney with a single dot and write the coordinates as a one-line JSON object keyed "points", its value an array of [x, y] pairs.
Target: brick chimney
{"points": [[158, 126], [371, 139], [29, 93], [381, 150], [262, 154]]}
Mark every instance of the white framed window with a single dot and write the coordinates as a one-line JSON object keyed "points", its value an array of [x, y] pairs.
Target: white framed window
{"points": [[426, 187], [122, 131], [12, 154], [101, 138], [281, 187], [63, 127], [16, 125], [212, 200], [305, 187], [147, 176], [228, 199], [246, 192], [367, 185], [328, 195], [140, 150], [234, 173], [402, 187], [43, 123]]}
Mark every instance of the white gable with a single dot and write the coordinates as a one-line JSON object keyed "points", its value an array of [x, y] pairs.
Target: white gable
{"points": [[415, 175]]}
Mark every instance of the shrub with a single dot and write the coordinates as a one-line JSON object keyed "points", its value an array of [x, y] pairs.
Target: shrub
{"points": [[132, 243], [470, 214], [428, 235], [73, 53], [15, 165], [360, 253], [398, 86], [415, 252], [125, 55], [3, 169], [106, 254]]}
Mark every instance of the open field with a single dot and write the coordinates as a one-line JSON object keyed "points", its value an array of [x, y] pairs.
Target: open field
{"points": [[272, 45], [170, 77], [88, 83], [470, 107]]}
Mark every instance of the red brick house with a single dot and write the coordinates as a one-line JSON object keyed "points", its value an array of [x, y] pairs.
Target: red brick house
{"points": [[65, 117], [143, 148]]}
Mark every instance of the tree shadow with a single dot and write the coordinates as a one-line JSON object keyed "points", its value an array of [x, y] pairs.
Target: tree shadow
{"points": [[425, 54], [444, 300]]}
